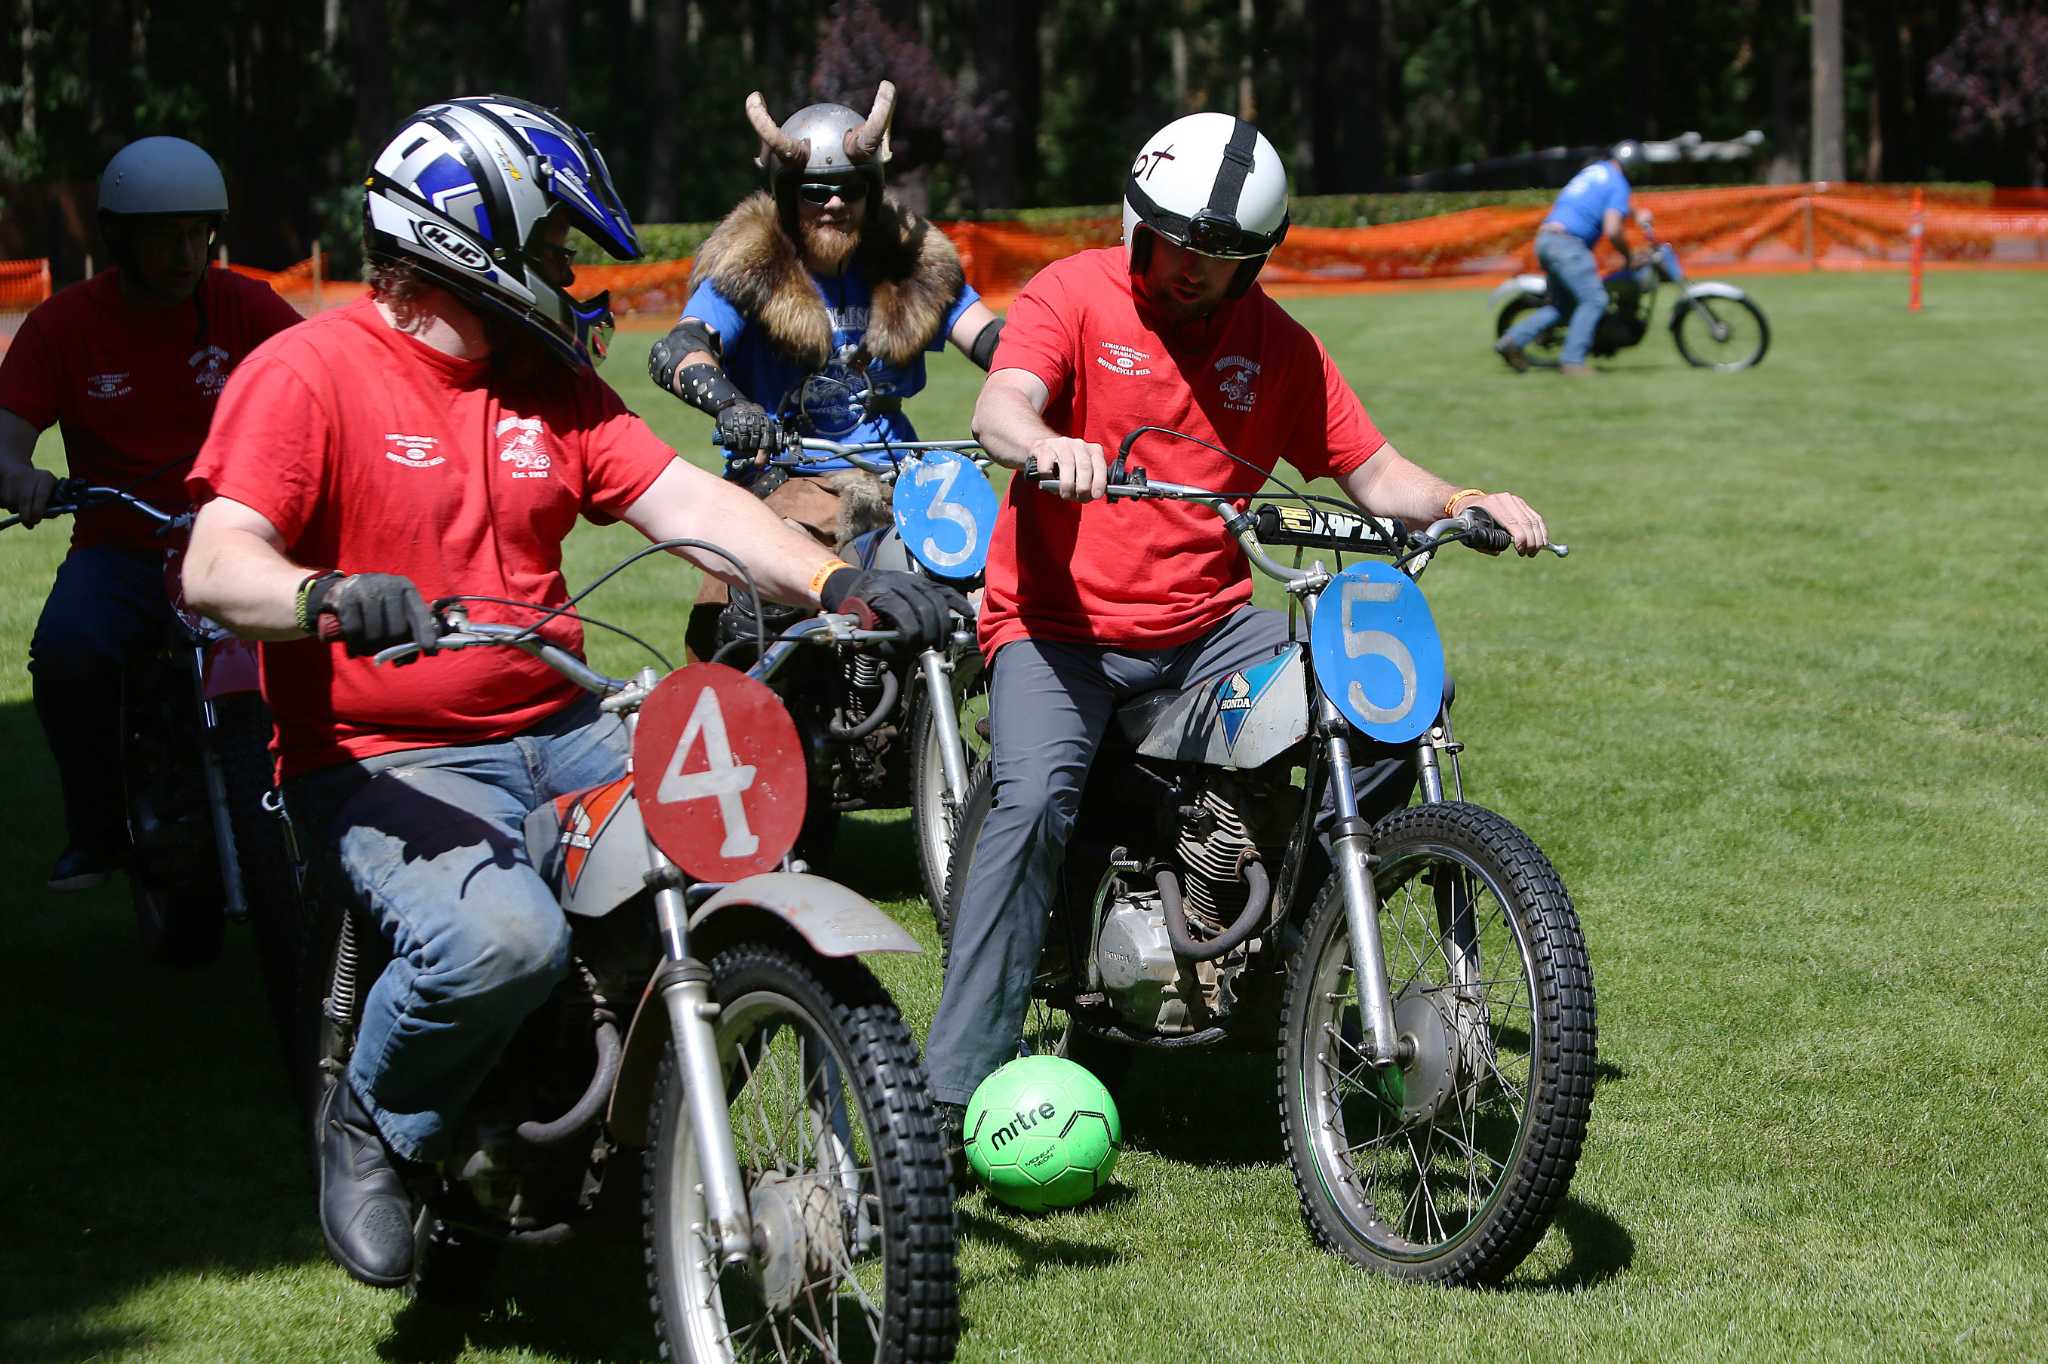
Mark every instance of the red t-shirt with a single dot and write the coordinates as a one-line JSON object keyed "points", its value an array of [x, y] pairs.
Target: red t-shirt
{"points": [[133, 391], [1152, 575], [373, 453]]}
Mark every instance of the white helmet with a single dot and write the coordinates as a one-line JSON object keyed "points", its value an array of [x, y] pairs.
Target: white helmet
{"points": [[1211, 183], [457, 195]]}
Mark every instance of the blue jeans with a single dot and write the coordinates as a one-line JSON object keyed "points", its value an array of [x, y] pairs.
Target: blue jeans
{"points": [[1050, 705], [431, 842], [106, 607], [1569, 264]]}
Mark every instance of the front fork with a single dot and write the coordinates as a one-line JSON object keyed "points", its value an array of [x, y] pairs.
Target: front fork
{"points": [[692, 1016], [938, 685], [1351, 853], [237, 901]]}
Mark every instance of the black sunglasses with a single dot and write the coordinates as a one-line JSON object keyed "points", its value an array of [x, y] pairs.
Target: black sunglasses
{"points": [[822, 193]]}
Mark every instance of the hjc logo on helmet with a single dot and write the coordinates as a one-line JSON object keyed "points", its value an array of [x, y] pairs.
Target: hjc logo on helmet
{"points": [[451, 245]]}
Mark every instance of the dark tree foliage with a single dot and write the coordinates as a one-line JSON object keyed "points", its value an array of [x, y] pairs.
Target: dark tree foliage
{"points": [[1004, 103], [1995, 73]]}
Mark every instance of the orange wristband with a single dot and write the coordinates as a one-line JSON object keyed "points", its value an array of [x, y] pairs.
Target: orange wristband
{"points": [[830, 567], [1451, 502]]}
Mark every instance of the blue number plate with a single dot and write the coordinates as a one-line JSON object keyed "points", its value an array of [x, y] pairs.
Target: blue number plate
{"points": [[1377, 652], [946, 513]]}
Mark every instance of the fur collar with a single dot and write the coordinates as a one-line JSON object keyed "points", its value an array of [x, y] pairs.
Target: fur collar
{"points": [[912, 270]]}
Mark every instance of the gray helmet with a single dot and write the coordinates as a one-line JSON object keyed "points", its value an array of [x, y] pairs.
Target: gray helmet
{"points": [[162, 175], [1630, 156], [823, 143]]}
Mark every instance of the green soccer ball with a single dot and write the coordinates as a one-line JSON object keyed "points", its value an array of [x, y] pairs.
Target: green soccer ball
{"points": [[1041, 1133]]}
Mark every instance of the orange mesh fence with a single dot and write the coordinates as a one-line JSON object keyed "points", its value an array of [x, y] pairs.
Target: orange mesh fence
{"points": [[23, 284], [1773, 227]]}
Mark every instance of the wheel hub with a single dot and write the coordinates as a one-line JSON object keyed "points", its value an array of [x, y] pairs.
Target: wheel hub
{"points": [[798, 1234], [1421, 1085]]}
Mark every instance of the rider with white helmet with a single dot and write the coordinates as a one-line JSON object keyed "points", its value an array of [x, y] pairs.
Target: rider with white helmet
{"points": [[441, 438], [812, 308], [1089, 604], [128, 366], [1592, 206]]}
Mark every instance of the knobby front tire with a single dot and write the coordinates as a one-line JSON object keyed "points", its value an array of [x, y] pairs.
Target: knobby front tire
{"points": [[1449, 1167], [1743, 339], [841, 1154]]}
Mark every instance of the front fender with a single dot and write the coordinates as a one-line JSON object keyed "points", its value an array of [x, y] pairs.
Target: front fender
{"points": [[1521, 286], [832, 920], [1713, 289]]}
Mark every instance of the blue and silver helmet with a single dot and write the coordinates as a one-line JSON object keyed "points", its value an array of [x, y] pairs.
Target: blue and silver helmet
{"points": [[459, 193]]}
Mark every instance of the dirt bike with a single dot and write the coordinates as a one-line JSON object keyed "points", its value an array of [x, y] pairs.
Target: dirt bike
{"points": [[205, 841], [717, 1033], [1426, 977], [879, 729], [1714, 325]]}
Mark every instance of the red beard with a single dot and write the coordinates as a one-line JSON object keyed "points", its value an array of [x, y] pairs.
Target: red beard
{"points": [[827, 248]]}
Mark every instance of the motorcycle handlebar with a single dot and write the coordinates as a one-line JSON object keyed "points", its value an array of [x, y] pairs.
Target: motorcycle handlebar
{"points": [[75, 495]]}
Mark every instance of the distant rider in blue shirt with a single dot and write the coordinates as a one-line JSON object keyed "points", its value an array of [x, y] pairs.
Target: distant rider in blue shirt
{"points": [[1592, 206], [811, 308]]}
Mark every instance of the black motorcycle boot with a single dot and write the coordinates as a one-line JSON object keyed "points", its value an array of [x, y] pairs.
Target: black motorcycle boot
{"points": [[365, 1213], [952, 1124]]}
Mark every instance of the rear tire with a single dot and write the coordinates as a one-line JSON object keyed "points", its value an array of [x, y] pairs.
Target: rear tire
{"points": [[848, 1179], [1543, 350], [1450, 1166]]}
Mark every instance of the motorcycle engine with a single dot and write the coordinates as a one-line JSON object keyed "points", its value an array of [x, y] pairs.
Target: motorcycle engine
{"points": [[1223, 821]]}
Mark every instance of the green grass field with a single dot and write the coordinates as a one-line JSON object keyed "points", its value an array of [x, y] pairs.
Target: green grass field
{"points": [[1780, 721]]}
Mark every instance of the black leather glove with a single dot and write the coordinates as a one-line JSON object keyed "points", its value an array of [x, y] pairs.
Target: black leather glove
{"points": [[744, 426], [909, 602], [374, 611]]}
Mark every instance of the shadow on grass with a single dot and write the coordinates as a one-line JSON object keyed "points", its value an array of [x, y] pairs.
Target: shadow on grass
{"points": [[1204, 1107], [149, 1135], [1601, 1248], [585, 1301], [875, 854]]}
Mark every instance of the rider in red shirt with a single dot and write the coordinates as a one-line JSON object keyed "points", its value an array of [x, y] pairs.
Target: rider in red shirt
{"points": [[128, 365], [1090, 604], [442, 438]]}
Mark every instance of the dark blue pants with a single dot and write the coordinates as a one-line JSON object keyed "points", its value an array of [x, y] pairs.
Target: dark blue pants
{"points": [[106, 607]]}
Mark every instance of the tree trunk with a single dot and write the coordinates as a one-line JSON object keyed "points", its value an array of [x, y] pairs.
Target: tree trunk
{"points": [[547, 50], [667, 37], [1828, 156], [370, 57], [1347, 137], [25, 10], [1006, 72]]}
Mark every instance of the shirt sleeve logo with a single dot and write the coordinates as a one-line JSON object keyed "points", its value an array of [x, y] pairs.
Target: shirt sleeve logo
{"points": [[413, 452], [210, 369], [1239, 374], [108, 385], [521, 447]]}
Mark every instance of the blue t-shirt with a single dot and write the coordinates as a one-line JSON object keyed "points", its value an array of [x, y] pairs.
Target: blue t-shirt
{"points": [[1585, 201], [830, 402]]}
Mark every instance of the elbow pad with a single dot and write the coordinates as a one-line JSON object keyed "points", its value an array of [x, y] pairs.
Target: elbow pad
{"points": [[686, 337], [983, 351]]}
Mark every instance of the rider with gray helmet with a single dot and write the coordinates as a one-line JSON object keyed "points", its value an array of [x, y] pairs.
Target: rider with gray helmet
{"points": [[128, 366], [1592, 206], [811, 309]]}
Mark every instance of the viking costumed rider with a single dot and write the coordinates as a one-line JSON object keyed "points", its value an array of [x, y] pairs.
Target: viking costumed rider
{"points": [[811, 308]]}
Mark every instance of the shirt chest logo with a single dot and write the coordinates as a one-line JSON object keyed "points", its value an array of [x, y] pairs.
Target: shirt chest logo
{"points": [[1121, 359], [1236, 375], [412, 452], [519, 445], [108, 385], [210, 370]]}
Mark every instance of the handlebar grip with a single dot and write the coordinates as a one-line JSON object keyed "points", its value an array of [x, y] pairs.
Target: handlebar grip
{"points": [[327, 629], [1031, 467]]}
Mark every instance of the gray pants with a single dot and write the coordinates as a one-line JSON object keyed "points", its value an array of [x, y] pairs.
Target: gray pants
{"points": [[1049, 705]]}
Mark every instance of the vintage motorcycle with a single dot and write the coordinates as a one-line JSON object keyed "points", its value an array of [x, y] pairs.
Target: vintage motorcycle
{"points": [[1714, 325], [880, 730], [205, 839], [717, 1035], [1426, 977]]}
